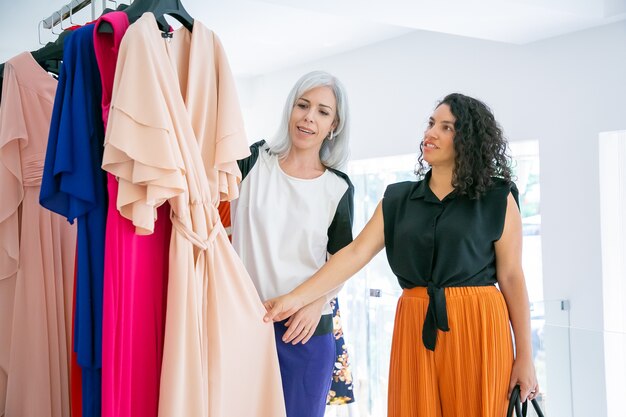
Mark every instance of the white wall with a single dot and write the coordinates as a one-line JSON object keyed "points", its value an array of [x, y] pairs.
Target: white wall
{"points": [[562, 91]]}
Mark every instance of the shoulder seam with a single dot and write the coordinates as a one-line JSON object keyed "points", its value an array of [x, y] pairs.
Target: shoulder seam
{"points": [[341, 175]]}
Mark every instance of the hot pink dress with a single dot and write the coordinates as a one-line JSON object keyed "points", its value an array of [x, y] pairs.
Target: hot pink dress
{"points": [[135, 279]]}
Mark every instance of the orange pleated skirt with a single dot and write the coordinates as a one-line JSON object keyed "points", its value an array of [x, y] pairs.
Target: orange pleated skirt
{"points": [[468, 372]]}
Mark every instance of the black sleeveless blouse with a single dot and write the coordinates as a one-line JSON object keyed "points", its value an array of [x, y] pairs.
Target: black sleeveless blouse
{"points": [[443, 243]]}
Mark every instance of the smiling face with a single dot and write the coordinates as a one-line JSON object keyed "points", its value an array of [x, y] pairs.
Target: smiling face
{"points": [[312, 118], [438, 141]]}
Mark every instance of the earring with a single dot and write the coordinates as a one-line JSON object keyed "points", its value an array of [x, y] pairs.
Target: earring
{"points": [[331, 135]]}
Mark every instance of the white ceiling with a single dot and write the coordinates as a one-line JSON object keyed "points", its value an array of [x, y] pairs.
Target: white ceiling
{"points": [[266, 35]]}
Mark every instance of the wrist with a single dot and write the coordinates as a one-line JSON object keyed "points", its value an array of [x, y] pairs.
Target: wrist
{"points": [[322, 301], [299, 298], [523, 355]]}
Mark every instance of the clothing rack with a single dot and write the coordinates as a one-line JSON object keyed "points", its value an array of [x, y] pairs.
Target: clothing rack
{"points": [[69, 10]]}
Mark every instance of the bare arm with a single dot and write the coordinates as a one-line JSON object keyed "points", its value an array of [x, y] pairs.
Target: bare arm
{"points": [[302, 324], [335, 291], [513, 286], [335, 272]]}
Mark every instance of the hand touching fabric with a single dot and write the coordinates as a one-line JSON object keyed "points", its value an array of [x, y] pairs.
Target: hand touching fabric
{"points": [[282, 307]]}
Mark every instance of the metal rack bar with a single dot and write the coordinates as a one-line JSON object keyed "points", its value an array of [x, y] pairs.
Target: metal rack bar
{"points": [[67, 10]]}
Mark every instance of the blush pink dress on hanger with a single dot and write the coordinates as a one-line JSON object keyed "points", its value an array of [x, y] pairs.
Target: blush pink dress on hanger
{"points": [[37, 249], [174, 134]]}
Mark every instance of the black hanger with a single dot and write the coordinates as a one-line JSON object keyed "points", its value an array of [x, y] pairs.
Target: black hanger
{"points": [[175, 9], [159, 8], [51, 55]]}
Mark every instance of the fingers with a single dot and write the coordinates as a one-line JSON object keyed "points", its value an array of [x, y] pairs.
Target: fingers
{"points": [[280, 308], [299, 329], [527, 391], [303, 335], [293, 331], [275, 312], [309, 336], [269, 316], [533, 392]]}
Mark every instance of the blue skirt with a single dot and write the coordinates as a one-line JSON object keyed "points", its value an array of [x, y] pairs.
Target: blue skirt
{"points": [[306, 372]]}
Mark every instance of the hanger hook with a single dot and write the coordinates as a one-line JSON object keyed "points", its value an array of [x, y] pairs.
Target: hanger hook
{"points": [[61, 21], [52, 23], [71, 14], [114, 2], [39, 25]]}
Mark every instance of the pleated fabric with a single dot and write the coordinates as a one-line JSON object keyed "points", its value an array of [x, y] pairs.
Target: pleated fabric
{"points": [[468, 372]]}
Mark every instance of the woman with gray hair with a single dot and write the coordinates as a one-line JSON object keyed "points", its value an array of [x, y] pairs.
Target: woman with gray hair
{"points": [[295, 209]]}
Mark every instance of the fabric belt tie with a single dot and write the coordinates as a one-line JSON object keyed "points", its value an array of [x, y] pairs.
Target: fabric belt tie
{"points": [[193, 237], [436, 316]]}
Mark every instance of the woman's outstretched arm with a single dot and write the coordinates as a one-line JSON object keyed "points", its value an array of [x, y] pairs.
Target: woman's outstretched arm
{"points": [[341, 266]]}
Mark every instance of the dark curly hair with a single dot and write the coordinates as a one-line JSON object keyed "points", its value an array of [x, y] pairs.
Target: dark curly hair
{"points": [[479, 145]]}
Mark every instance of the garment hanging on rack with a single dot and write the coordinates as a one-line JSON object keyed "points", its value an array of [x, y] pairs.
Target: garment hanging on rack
{"points": [[48, 56], [173, 103], [36, 254], [74, 186], [135, 279], [76, 379]]}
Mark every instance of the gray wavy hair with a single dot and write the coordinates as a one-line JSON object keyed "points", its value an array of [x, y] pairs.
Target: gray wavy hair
{"points": [[333, 153]]}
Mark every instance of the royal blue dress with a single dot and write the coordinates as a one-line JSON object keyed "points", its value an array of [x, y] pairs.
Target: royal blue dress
{"points": [[74, 186]]}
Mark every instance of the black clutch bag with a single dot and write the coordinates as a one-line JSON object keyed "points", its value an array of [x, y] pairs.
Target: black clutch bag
{"points": [[521, 408]]}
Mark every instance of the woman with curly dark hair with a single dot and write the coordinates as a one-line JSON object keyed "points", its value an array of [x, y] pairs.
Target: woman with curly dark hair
{"points": [[449, 237], [479, 145]]}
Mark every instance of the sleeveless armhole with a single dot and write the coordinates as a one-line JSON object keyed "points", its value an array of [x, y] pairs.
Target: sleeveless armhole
{"points": [[340, 230], [246, 164], [501, 195]]}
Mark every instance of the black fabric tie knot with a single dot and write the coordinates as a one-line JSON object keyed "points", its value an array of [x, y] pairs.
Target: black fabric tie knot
{"points": [[436, 316]]}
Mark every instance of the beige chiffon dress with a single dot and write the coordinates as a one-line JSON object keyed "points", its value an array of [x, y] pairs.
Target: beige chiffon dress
{"points": [[174, 134], [37, 249]]}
